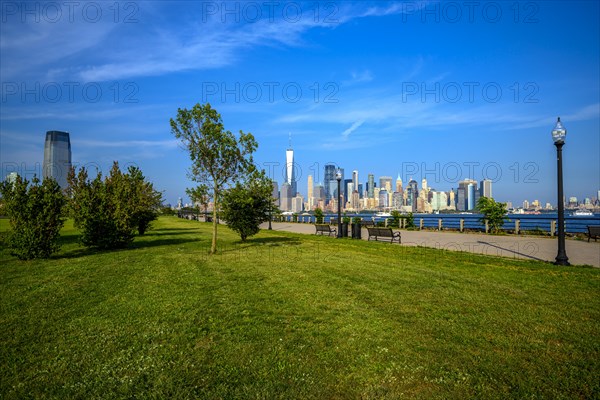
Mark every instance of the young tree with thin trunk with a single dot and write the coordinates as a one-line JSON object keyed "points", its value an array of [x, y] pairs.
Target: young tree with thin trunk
{"points": [[493, 212], [218, 158]]}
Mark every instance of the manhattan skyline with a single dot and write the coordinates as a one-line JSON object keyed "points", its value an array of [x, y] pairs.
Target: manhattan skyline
{"points": [[445, 91]]}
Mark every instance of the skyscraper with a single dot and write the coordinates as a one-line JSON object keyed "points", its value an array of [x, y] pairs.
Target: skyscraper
{"points": [[471, 197], [290, 173], [57, 157], [486, 188], [319, 193], [371, 186], [467, 195], [399, 184], [383, 199], [285, 200], [347, 189], [310, 192], [275, 193], [385, 182], [412, 194], [331, 181], [355, 179]]}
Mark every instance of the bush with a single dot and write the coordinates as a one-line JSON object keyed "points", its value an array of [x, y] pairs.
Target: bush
{"points": [[246, 205], [35, 213], [319, 216], [493, 212], [109, 212], [395, 221], [147, 201]]}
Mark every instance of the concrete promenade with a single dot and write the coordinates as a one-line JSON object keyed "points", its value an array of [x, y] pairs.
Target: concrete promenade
{"points": [[512, 246]]}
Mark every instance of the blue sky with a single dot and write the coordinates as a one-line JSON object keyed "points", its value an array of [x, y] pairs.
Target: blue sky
{"points": [[442, 90]]}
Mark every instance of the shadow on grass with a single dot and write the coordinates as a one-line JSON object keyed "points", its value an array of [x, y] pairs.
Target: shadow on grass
{"points": [[259, 243], [157, 231], [513, 251], [138, 243], [167, 233], [273, 241]]}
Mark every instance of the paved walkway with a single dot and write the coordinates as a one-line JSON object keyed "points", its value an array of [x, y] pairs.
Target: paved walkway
{"points": [[527, 247]]}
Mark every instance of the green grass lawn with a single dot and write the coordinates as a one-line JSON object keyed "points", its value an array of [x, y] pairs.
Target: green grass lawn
{"points": [[293, 316]]}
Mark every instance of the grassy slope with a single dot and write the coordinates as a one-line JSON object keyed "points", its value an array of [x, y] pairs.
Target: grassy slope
{"points": [[292, 316]]}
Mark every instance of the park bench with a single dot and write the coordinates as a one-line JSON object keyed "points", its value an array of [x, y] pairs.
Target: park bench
{"points": [[593, 232], [386, 233], [325, 228]]}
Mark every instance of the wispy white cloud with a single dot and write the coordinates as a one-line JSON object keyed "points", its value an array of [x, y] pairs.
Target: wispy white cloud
{"points": [[358, 77], [354, 127], [588, 112], [78, 112], [157, 45]]}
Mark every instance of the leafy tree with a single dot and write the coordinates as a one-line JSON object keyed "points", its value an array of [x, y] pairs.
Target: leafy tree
{"points": [[35, 213], [247, 205], [109, 212], [147, 201], [319, 216], [395, 222], [101, 209], [493, 212], [218, 158]]}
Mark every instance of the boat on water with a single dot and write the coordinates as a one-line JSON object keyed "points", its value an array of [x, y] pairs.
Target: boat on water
{"points": [[383, 214], [583, 213]]}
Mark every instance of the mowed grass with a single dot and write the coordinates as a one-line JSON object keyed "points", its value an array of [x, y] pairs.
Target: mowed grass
{"points": [[293, 317]]}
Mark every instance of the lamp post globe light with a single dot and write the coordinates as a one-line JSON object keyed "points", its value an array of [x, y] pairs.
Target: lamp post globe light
{"points": [[338, 177], [558, 135]]}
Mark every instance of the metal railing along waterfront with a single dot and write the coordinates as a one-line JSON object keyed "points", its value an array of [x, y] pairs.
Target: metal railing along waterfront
{"points": [[516, 223]]}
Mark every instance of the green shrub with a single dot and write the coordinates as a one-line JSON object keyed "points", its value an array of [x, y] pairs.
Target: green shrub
{"points": [[395, 221], [109, 212], [35, 213], [246, 205], [319, 216], [493, 212]]}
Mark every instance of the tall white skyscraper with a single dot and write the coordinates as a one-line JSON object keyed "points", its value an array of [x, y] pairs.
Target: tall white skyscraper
{"points": [[310, 192], [355, 179], [57, 157], [290, 175]]}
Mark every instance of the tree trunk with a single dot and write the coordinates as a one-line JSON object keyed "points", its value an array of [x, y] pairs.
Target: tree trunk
{"points": [[213, 247]]}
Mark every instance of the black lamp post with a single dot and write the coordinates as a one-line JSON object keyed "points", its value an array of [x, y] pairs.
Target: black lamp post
{"points": [[338, 176], [558, 135], [270, 214]]}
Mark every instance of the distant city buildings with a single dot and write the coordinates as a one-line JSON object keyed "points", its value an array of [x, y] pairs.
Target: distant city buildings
{"points": [[389, 195], [57, 157], [12, 177]]}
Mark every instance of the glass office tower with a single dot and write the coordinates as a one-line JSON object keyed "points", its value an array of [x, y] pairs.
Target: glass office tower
{"points": [[57, 157]]}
